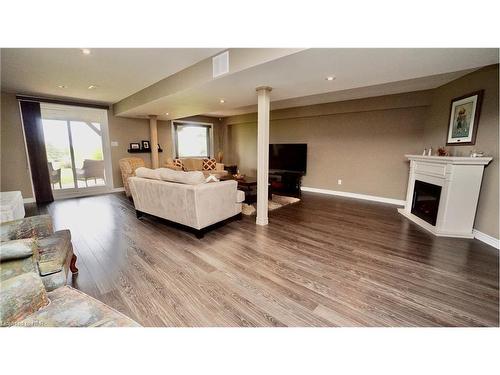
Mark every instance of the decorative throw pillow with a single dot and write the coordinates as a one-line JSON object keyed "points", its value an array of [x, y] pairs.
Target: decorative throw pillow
{"points": [[179, 163], [211, 178], [208, 164]]}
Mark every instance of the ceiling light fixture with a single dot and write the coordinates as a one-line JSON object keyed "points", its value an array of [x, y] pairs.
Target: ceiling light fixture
{"points": [[62, 86], [166, 113], [222, 101], [330, 78], [92, 87], [85, 51]]}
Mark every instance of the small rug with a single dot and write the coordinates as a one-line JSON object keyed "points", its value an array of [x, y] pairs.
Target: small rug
{"points": [[276, 202]]}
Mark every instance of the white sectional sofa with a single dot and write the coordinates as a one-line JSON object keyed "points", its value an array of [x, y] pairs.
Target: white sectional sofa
{"points": [[188, 201]]}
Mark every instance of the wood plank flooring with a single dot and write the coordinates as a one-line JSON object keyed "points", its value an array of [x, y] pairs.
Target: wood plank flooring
{"points": [[325, 261]]}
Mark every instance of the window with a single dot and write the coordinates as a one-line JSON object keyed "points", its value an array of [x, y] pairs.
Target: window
{"points": [[192, 139]]}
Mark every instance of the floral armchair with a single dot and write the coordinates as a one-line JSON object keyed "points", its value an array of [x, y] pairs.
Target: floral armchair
{"points": [[34, 262], [127, 168], [25, 302], [31, 245]]}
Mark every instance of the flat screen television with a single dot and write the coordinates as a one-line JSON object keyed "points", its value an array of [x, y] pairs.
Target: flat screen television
{"points": [[290, 157]]}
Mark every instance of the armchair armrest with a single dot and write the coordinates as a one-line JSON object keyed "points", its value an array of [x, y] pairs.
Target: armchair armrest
{"points": [[33, 226], [21, 296], [16, 249]]}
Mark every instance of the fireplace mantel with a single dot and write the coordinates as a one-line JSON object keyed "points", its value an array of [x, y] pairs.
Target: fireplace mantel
{"points": [[460, 181], [457, 160]]}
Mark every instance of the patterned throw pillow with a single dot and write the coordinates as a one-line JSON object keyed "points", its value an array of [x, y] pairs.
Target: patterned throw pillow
{"points": [[179, 163], [208, 164]]}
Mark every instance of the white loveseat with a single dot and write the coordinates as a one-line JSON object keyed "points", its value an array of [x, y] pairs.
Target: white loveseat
{"points": [[197, 206]]}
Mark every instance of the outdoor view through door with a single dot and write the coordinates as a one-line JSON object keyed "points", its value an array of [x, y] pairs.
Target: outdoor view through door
{"points": [[75, 145]]}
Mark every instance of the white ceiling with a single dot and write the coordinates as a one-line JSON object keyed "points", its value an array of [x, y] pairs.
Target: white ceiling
{"points": [[118, 72], [397, 87], [302, 75], [297, 78]]}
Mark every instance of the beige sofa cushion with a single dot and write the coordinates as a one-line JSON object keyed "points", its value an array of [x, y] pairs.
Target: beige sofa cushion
{"points": [[193, 164], [188, 178], [147, 173]]}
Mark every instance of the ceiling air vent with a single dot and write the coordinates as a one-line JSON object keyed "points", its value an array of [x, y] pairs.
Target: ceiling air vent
{"points": [[220, 64]]}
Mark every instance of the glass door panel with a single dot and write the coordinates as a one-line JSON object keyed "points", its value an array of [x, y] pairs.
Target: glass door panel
{"points": [[77, 155], [58, 154], [87, 146]]}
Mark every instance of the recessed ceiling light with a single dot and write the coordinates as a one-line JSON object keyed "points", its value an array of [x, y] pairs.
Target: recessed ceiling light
{"points": [[62, 86], [92, 87], [330, 78], [166, 113], [85, 51], [222, 101]]}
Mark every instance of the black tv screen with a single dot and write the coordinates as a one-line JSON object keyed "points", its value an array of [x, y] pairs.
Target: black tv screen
{"points": [[291, 157]]}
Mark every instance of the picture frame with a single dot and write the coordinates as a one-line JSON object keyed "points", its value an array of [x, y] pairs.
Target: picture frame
{"points": [[135, 146], [145, 145], [464, 119]]}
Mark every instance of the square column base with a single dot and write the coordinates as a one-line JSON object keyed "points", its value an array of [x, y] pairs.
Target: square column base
{"points": [[261, 221]]}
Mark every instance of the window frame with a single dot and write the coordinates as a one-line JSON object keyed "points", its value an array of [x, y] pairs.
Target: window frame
{"points": [[210, 129]]}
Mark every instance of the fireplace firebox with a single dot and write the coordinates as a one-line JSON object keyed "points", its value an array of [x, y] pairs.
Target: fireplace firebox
{"points": [[426, 201]]}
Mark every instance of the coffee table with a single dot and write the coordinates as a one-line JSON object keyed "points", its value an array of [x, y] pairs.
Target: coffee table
{"points": [[248, 185]]}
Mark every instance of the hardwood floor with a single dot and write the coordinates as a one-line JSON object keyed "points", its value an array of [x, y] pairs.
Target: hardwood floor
{"points": [[325, 261]]}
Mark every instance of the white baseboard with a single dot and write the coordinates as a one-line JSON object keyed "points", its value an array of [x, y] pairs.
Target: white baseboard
{"points": [[373, 198], [28, 200], [487, 239], [117, 190]]}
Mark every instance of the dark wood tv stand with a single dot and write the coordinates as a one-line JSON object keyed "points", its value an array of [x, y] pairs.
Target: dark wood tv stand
{"points": [[285, 182]]}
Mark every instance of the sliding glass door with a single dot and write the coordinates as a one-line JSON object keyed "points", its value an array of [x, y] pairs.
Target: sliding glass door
{"points": [[76, 142]]}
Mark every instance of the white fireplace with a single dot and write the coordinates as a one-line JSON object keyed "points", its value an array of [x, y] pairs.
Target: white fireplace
{"points": [[443, 192]]}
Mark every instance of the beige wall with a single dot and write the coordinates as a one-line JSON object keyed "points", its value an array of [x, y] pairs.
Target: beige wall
{"points": [[125, 131], [362, 142], [14, 163], [436, 129]]}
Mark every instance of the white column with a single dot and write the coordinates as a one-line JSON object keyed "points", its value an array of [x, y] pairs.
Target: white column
{"points": [[263, 99], [153, 131]]}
